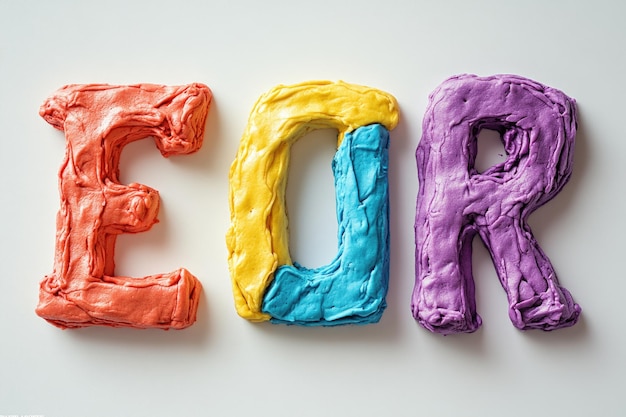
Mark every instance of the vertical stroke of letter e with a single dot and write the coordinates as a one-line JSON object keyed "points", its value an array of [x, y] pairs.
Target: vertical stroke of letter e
{"points": [[98, 121]]}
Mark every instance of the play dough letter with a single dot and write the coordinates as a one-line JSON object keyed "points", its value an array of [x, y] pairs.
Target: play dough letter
{"points": [[266, 284], [537, 125], [98, 121]]}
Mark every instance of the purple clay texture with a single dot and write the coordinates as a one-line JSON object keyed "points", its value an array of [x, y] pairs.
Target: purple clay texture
{"points": [[537, 125]]}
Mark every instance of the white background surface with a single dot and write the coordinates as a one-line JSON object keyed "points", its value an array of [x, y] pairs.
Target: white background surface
{"points": [[224, 365]]}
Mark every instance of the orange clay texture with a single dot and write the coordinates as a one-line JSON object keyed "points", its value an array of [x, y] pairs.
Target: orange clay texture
{"points": [[98, 121]]}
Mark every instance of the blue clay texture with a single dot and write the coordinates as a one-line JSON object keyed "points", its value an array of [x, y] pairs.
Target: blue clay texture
{"points": [[352, 288]]}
